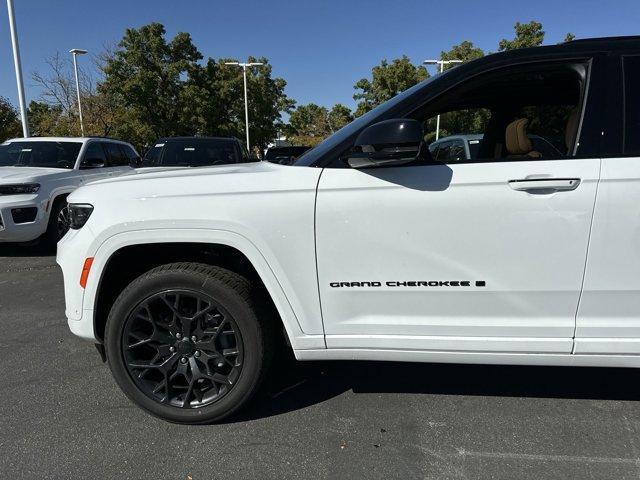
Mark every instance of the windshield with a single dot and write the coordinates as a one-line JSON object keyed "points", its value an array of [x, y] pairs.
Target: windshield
{"points": [[197, 153], [309, 157], [39, 154]]}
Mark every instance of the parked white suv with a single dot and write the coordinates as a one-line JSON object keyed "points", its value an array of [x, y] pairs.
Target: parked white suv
{"points": [[37, 174], [368, 248]]}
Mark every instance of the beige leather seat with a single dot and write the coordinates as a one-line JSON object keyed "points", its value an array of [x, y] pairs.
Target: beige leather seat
{"points": [[517, 142], [571, 130]]}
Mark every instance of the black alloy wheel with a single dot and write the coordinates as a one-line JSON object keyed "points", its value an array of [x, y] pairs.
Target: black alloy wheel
{"points": [[182, 349], [188, 342]]}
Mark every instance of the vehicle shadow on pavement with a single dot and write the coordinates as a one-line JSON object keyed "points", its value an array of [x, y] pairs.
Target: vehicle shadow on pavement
{"points": [[303, 384], [17, 250]]}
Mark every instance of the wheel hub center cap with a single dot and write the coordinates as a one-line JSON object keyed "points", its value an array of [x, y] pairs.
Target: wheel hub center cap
{"points": [[185, 347]]}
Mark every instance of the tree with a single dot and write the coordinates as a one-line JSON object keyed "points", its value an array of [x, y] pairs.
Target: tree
{"points": [[47, 120], [145, 75], [56, 113], [266, 102], [164, 90], [388, 79], [10, 125], [527, 35], [339, 116], [569, 37], [464, 51], [310, 124]]}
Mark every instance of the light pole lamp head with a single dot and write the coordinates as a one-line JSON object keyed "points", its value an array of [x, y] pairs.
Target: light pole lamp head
{"points": [[78, 51]]}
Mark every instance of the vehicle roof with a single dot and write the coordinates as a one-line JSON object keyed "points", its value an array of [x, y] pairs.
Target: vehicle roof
{"points": [[583, 45], [63, 139]]}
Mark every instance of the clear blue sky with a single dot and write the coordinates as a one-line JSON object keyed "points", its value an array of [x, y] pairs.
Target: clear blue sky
{"points": [[320, 47]]}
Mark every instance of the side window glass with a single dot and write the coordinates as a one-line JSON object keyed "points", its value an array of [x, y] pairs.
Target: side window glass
{"points": [[117, 158], [94, 156], [457, 153], [443, 152], [521, 112], [632, 105], [131, 155]]}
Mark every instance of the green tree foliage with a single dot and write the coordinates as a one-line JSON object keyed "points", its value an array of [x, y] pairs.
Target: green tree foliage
{"points": [[339, 116], [569, 37], [164, 89], [527, 35], [310, 124], [10, 125], [146, 76], [464, 51], [387, 80], [266, 100], [47, 120]]}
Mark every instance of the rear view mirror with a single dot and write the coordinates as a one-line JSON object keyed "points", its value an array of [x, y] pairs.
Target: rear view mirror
{"points": [[388, 143]]}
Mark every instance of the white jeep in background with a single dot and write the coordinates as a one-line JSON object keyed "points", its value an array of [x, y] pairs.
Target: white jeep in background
{"points": [[37, 174]]}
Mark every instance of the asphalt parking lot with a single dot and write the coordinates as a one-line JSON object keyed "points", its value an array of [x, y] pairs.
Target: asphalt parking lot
{"points": [[63, 416]]}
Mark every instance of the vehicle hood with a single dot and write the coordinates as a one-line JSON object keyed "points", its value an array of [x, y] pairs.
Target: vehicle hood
{"points": [[255, 177], [152, 175], [29, 174]]}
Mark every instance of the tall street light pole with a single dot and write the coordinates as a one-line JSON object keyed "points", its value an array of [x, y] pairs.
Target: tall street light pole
{"points": [[246, 103], [18, 67], [75, 52], [441, 63]]}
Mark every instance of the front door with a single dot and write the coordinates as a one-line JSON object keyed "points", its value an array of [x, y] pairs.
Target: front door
{"points": [[454, 257]]}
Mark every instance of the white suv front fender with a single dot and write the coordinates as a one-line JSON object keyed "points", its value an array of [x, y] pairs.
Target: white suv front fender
{"points": [[81, 303]]}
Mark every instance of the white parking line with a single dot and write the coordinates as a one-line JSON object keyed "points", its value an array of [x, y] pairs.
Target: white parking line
{"points": [[552, 458]]}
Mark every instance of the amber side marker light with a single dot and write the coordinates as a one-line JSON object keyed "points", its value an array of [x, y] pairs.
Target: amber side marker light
{"points": [[85, 271]]}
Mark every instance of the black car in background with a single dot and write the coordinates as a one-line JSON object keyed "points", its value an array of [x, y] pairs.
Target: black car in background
{"points": [[284, 155], [195, 152]]}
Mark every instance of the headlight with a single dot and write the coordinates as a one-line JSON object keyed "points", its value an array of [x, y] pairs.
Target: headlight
{"points": [[79, 213], [19, 188]]}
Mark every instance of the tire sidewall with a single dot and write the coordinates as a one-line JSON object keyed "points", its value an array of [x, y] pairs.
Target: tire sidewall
{"points": [[227, 297], [51, 235]]}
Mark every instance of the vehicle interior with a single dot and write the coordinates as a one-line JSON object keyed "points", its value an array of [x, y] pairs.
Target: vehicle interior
{"points": [[525, 112]]}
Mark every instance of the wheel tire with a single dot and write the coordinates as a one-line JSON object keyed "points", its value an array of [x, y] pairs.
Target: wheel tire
{"points": [[55, 229], [230, 291]]}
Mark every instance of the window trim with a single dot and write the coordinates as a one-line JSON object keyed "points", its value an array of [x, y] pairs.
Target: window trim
{"points": [[623, 107]]}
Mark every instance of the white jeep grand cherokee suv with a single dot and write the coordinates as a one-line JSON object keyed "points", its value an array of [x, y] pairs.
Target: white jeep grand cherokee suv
{"points": [[37, 174], [369, 249]]}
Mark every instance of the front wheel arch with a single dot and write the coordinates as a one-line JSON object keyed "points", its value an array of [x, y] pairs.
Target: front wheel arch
{"points": [[129, 262]]}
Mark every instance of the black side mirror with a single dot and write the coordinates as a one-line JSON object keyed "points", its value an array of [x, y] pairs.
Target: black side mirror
{"points": [[388, 143], [136, 162], [285, 160], [92, 163]]}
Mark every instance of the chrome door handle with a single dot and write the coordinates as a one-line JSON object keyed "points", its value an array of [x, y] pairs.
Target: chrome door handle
{"points": [[545, 185]]}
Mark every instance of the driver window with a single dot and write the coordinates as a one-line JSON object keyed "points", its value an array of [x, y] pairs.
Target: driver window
{"points": [[522, 113]]}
